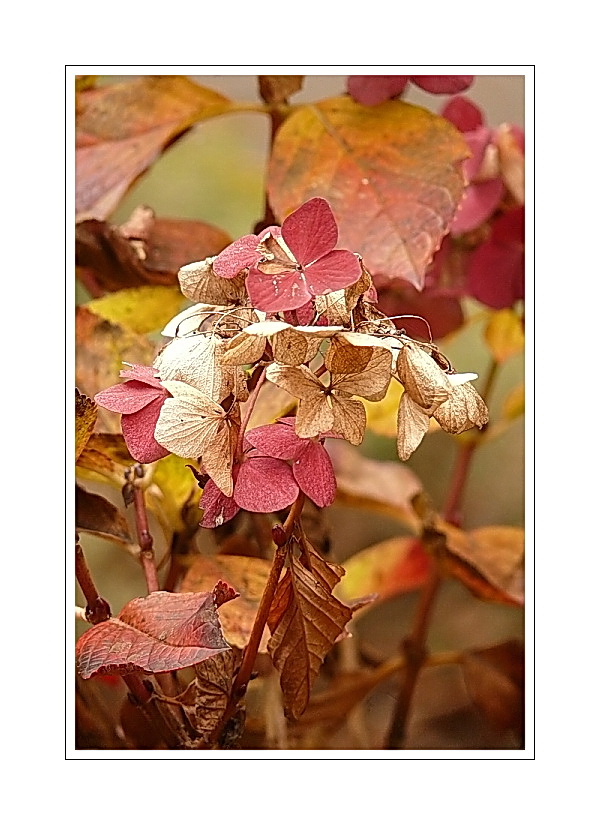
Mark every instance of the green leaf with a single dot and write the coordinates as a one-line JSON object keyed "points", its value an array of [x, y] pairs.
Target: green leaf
{"points": [[141, 309], [391, 174]]}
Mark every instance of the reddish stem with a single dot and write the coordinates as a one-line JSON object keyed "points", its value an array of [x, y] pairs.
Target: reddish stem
{"points": [[145, 539], [97, 609], [258, 378]]}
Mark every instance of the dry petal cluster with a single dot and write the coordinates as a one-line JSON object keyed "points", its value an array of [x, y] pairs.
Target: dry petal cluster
{"points": [[288, 307]]}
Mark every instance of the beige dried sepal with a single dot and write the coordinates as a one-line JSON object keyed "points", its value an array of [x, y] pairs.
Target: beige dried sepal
{"points": [[192, 425], [195, 359], [464, 409], [413, 423], [291, 345], [337, 306], [320, 409], [425, 382], [359, 364], [199, 283], [192, 319]]}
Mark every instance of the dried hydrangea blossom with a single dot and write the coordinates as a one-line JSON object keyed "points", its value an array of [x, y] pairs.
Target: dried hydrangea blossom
{"points": [[292, 345]]}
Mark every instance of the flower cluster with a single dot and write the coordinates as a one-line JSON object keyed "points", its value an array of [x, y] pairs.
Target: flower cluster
{"points": [[287, 307]]}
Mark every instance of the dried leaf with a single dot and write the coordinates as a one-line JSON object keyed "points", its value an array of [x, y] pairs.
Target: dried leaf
{"points": [[123, 128], [141, 309], [492, 556], [389, 568], [495, 679], [94, 514], [305, 621], [204, 700], [386, 487], [246, 574], [400, 168], [85, 418], [192, 425], [504, 334], [154, 634], [117, 262]]}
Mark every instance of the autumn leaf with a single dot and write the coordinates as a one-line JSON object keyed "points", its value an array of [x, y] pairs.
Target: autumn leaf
{"points": [[123, 128], [204, 700], [154, 634], [116, 260], [504, 334], [102, 347], [140, 309], [248, 575], [305, 621], [94, 514], [389, 568], [391, 174], [85, 419]]}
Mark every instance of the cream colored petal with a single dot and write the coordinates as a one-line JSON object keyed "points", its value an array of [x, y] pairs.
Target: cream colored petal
{"points": [[421, 377], [189, 421], [413, 423], [193, 318], [194, 360], [298, 381], [293, 348], [200, 284], [349, 419], [464, 409], [217, 458]]}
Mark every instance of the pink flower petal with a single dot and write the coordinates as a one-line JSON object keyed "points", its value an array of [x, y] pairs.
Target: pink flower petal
{"points": [[138, 432], [277, 440], [443, 84], [463, 113], [334, 271], [373, 89], [315, 475], [310, 231], [265, 485], [218, 508], [478, 141], [274, 293], [139, 372], [479, 203], [237, 256], [496, 271], [304, 315], [129, 397]]}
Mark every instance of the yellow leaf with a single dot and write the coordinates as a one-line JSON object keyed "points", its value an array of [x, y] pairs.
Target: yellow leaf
{"points": [[140, 309], [173, 484], [86, 413], [504, 335], [382, 415], [514, 403]]}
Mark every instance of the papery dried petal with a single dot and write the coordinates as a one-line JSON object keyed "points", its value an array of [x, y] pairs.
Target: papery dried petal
{"points": [[195, 360], [360, 365], [200, 283], [421, 377], [464, 409], [349, 419], [298, 381], [413, 423]]}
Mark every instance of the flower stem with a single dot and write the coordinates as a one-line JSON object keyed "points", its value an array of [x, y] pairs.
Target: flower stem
{"points": [[144, 537], [97, 609], [258, 378]]}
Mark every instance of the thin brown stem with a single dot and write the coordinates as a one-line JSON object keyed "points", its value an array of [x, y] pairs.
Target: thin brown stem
{"points": [[145, 539], [97, 609], [258, 379]]}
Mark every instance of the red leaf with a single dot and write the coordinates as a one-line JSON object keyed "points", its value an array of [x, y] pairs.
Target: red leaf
{"points": [[154, 634]]}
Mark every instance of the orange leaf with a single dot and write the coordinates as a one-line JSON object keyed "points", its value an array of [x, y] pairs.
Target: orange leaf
{"points": [[123, 128], [390, 173]]}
